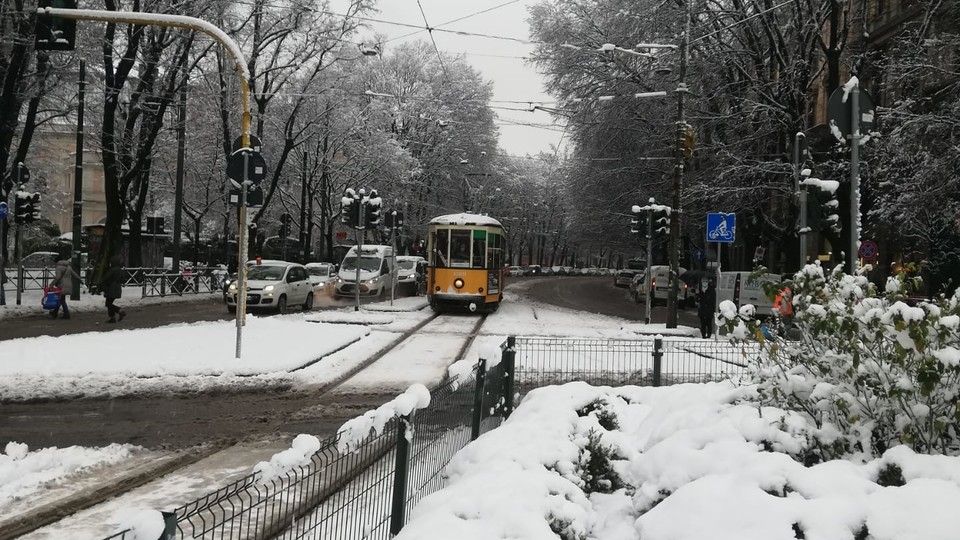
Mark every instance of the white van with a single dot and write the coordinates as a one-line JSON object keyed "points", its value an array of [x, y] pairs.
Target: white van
{"points": [[661, 287], [376, 271], [741, 289]]}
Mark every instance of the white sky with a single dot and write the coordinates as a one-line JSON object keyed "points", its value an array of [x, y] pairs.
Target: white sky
{"points": [[513, 78]]}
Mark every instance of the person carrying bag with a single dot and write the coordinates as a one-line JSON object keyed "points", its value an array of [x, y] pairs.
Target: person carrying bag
{"points": [[62, 284]]}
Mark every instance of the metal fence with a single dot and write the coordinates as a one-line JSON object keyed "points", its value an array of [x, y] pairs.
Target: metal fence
{"points": [[367, 492], [201, 281], [542, 361], [33, 279], [364, 493]]}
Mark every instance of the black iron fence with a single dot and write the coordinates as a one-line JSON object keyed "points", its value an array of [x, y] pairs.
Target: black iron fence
{"points": [[365, 491], [200, 281]]}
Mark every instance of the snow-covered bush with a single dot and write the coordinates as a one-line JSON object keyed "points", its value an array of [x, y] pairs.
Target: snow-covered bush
{"points": [[870, 370]]}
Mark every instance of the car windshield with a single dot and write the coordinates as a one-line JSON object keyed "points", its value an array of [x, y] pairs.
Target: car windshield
{"points": [[367, 264], [265, 273], [321, 271], [407, 265]]}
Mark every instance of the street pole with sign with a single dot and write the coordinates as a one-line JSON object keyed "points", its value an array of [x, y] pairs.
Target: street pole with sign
{"points": [[721, 229]]}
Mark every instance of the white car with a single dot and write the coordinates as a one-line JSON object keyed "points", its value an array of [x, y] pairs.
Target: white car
{"points": [[321, 274], [375, 271], [407, 270], [274, 285]]}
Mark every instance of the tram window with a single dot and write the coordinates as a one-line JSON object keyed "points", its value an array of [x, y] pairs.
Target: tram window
{"points": [[479, 248], [493, 250], [440, 245], [460, 248]]}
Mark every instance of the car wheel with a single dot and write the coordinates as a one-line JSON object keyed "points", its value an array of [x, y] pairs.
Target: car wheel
{"points": [[308, 303], [231, 309], [282, 304]]}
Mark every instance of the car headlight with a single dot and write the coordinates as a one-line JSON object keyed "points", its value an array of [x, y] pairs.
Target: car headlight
{"points": [[268, 288], [458, 283], [233, 286]]}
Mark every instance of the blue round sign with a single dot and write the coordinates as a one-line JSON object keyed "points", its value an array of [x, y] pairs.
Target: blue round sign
{"points": [[4, 209]]}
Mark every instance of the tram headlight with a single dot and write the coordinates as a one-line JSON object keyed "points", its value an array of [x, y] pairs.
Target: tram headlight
{"points": [[458, 283]]}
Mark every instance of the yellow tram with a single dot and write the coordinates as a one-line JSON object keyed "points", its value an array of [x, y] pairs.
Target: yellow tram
{"points": [[465, 258]]}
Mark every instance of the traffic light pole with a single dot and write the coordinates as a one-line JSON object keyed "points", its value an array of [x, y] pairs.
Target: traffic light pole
{"points": [[393, 260], [854, 180], [360, 231], [801, 196], [242, 256], [178, 189], [78, 184], [648, 288], [17, 241]]}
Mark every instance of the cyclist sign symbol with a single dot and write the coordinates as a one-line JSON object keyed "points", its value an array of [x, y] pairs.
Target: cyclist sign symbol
{"points": [[721, 228]]}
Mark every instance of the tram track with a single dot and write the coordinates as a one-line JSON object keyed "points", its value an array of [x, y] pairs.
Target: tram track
{"points": [[320, 396]]}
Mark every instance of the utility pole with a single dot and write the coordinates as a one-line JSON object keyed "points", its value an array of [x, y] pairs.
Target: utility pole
{"points": [[360, 232], [678, 174], [801, 195], [78, 183], [178, 190]]}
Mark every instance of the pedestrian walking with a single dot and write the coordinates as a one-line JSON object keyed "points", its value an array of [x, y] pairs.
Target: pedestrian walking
{"points": [[706, 305], [113, 289], [66, 279]]}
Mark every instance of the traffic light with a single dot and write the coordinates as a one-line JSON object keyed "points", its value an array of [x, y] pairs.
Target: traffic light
{"points": [[393, 220], [284, 225], [822, 210], [350, 209], [28, 208], [55, 33], [638, 222], [372, 207]]}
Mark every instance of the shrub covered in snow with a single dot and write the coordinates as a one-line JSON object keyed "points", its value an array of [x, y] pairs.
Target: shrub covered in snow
{"points": [[868, 369], [684, 462]]}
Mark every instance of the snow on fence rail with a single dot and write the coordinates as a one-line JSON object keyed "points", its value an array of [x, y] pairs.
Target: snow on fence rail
{"points": [[362, 485]]}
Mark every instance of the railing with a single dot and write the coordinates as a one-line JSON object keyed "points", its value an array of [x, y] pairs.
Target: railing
{"points": [[32, 279], [367, 492], [360, 494], [203, 280]]}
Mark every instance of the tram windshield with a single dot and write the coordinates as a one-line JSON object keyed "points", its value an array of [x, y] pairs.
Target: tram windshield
{"points": [[466, 248]]}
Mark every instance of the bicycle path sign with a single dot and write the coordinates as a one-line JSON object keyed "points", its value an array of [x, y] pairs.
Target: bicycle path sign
{"points": [[721, 227]]}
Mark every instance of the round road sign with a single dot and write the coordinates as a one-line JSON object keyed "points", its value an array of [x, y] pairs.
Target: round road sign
{"points": [[868, 250], [256, 166]]}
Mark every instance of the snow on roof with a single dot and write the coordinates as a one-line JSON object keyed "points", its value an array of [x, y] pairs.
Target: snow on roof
{"points": [[465, 219], [369, 249]]}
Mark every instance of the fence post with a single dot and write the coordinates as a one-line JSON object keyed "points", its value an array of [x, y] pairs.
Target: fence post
{"points": [[401, 467], [163, 284], [478, 399], [657, 359], [509, 372], [144, 285], [169, 526]]}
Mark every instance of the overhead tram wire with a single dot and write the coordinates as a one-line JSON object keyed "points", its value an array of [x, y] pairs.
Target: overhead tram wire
{"points": [[458, 19], [434, 41]]}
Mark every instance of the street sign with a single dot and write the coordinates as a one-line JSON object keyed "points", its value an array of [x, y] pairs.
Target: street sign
{"points": [[4, 210], [840, 112], [721, 228], [256, 166], [341, 235], [868, 250], [255, 144]]}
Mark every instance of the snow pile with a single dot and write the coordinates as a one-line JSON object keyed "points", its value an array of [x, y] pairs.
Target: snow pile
{"points": [[349, 317], [168, 358], [23, 473], [299, 454], [353, 432], [463, 371], [580, 462], [141, 523]]}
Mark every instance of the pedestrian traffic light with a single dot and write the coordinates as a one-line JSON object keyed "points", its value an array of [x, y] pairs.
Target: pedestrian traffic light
{"points": [[55, 33], [350, 209], [821, 210], [28, 208], [372, 207]]}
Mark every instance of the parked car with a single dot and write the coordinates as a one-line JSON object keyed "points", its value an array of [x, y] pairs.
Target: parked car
{"points": [[375, 271], [548, 271], [624, 277], [741, 289], [407, 271], [532, 270], [274, 285], [515, 271], [40, 259], [558, 271], [660, 284]]}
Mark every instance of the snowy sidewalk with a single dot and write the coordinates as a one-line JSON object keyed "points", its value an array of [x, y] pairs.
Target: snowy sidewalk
{"points": [[132, 296]]}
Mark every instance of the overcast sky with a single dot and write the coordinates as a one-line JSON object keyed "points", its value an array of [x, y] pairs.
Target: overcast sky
{"points": [[512, 77]]}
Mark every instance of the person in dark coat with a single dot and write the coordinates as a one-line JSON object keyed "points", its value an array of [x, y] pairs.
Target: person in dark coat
{"points": [[65, 278], [113, 289], [706, 305]]}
